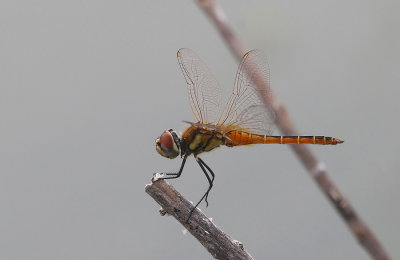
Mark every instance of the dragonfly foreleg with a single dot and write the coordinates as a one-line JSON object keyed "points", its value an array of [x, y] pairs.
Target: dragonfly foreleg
{"points": [[177, 174]]}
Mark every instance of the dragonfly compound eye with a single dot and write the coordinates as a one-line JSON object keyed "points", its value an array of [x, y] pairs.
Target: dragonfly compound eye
{"points": [[168, 144]]}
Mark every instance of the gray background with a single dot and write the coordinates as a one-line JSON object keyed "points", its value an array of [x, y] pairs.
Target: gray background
{"points": [[86, 87]]}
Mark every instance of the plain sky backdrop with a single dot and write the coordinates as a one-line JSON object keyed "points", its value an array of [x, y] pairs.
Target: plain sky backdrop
{"points": [[87, 86]]}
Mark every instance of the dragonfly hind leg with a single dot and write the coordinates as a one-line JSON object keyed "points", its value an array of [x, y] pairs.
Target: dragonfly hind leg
{"points": [[210, 181], [203, 167]]}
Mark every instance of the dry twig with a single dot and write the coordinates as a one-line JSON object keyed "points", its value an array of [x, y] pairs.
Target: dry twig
{"points": [[316, 169], [219, 244]]}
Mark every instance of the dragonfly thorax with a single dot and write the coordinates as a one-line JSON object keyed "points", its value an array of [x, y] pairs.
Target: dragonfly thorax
{"points": [[168, 144]]}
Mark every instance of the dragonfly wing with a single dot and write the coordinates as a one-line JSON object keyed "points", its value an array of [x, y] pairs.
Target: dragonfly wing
{"points": [[246, 109], [203, 89]]}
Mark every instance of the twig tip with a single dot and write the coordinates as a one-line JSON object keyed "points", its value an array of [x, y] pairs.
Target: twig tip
{"points": [[156, 177]]}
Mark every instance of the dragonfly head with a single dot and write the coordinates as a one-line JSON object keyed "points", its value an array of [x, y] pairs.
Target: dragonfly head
{"points": [[168, 144]]}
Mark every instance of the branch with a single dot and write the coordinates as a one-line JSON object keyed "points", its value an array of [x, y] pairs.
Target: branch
{"points": [[219, 244], [316, 169]]}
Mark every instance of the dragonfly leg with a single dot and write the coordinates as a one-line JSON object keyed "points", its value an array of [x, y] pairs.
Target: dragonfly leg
{"points": [[203, 167], [211, 182], [177, 174]]}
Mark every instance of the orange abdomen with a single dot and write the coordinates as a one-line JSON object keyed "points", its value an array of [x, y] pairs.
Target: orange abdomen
{"points": [[236, 138]]}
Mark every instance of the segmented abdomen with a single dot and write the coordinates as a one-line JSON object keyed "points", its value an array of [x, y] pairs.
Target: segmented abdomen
{"points": [[236, 138]]}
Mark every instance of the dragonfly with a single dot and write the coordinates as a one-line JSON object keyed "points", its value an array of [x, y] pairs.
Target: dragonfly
{"points": [[246, 119]]}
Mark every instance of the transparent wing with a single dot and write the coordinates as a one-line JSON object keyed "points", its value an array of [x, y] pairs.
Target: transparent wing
{"points": [[245, 109], [203, 89]]}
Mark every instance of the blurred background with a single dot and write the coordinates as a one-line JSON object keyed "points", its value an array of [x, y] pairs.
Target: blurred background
{"points": [[87, 86]]}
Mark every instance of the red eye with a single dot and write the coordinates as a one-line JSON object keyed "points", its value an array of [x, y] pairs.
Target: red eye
{"points": [[166, 140]]}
